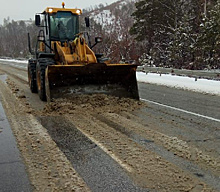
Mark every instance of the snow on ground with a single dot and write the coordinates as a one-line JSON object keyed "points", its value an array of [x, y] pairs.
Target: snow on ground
{"points": [[201, 85], [105, 18], [15, 60], [15, 63]]}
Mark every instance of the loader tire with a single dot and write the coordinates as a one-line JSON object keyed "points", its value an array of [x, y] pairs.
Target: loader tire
{"points": [[32, 75], [40, 72]]}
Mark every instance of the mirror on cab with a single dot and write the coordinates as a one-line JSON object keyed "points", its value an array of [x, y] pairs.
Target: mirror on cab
{"points": [[37, 20], [87, 21], [97, 40]]}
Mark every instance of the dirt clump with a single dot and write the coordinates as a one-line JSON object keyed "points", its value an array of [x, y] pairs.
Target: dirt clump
{"points": [[15, 89], [20, 96], [92, 103]]}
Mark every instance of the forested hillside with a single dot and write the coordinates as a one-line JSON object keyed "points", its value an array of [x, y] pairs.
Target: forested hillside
{"points": [[13, 38], [180, 34], [113, 23], [183, 34]]}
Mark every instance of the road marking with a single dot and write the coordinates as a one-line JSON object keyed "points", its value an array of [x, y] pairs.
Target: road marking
{"points": [[182, 110], [113, 156]]}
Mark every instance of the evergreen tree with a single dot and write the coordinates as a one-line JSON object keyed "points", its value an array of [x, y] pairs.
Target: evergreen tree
{"points": [[209, 40], [172, 33]]}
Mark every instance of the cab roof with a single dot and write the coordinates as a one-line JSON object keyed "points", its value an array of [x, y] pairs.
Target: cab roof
{"points": [[55, 10]]}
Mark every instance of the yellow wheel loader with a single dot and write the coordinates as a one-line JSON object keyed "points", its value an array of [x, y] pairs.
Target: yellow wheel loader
{"points": [[64, 62]]}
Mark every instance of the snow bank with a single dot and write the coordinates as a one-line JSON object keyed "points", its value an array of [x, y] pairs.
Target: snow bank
{"points": [[201, 85], [15, 61], [22, 64]]}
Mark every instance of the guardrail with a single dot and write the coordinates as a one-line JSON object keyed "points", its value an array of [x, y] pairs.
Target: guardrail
{"points": [[213, 74]]}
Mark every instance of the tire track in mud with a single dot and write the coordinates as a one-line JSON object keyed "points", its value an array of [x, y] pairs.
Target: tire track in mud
{"points": [[185, 164], [19, 81], [47, 166], [18, 68], [196, 133], [203, 135], [99, 170], [18, 76], [150, 170], [178, 146]]}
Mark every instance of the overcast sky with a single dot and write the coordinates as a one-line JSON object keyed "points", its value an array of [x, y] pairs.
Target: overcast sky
{"points": [[26, 9]]}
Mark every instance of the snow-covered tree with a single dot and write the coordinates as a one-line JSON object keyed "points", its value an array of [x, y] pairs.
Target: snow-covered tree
{"points": [[172, 33], [209, 40]]}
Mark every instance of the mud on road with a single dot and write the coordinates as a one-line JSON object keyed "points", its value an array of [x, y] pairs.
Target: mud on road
{"points": [[103, 143]]}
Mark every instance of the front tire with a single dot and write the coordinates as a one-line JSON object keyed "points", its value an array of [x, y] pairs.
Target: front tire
{"points": [[32, 75], [40, 73]]}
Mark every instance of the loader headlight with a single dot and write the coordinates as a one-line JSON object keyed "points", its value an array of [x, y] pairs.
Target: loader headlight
{"points": [[78, 11], [50, 10]]}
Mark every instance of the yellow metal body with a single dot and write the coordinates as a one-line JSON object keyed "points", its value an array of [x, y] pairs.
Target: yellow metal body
{"points": [[76, 52], [55, 10], [42, 47], [70, 53], [76, 64]]}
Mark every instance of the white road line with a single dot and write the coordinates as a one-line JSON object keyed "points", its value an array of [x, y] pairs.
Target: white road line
{"points": [[110, 153], [181, 110]]}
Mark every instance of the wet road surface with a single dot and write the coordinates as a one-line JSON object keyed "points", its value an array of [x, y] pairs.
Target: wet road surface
{"points": [[13, 176], [185, 134], [99, 170]]}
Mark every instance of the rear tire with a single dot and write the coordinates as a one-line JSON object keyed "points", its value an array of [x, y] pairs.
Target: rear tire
{"points": [[32, 75], [42, 64]]}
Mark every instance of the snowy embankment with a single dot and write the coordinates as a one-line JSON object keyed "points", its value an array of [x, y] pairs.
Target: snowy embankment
{"points": [[15, 63], [15, 60], [187, 83], [180, 82]]}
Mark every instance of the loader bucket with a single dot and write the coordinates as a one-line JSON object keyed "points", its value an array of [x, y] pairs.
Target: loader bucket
{"points": [[113, 79]]}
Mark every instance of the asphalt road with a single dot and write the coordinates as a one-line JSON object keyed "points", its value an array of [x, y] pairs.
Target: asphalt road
{"points": [[13, 176], [98, 169], [193, 117], [204, 104], [190, 121]]}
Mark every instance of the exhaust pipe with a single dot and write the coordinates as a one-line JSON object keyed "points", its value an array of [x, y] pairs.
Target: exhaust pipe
{"points": [[29, 45]]}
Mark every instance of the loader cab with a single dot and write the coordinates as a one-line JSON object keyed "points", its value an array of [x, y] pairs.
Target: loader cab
{"points": [[63, 26], [57, 24]]}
